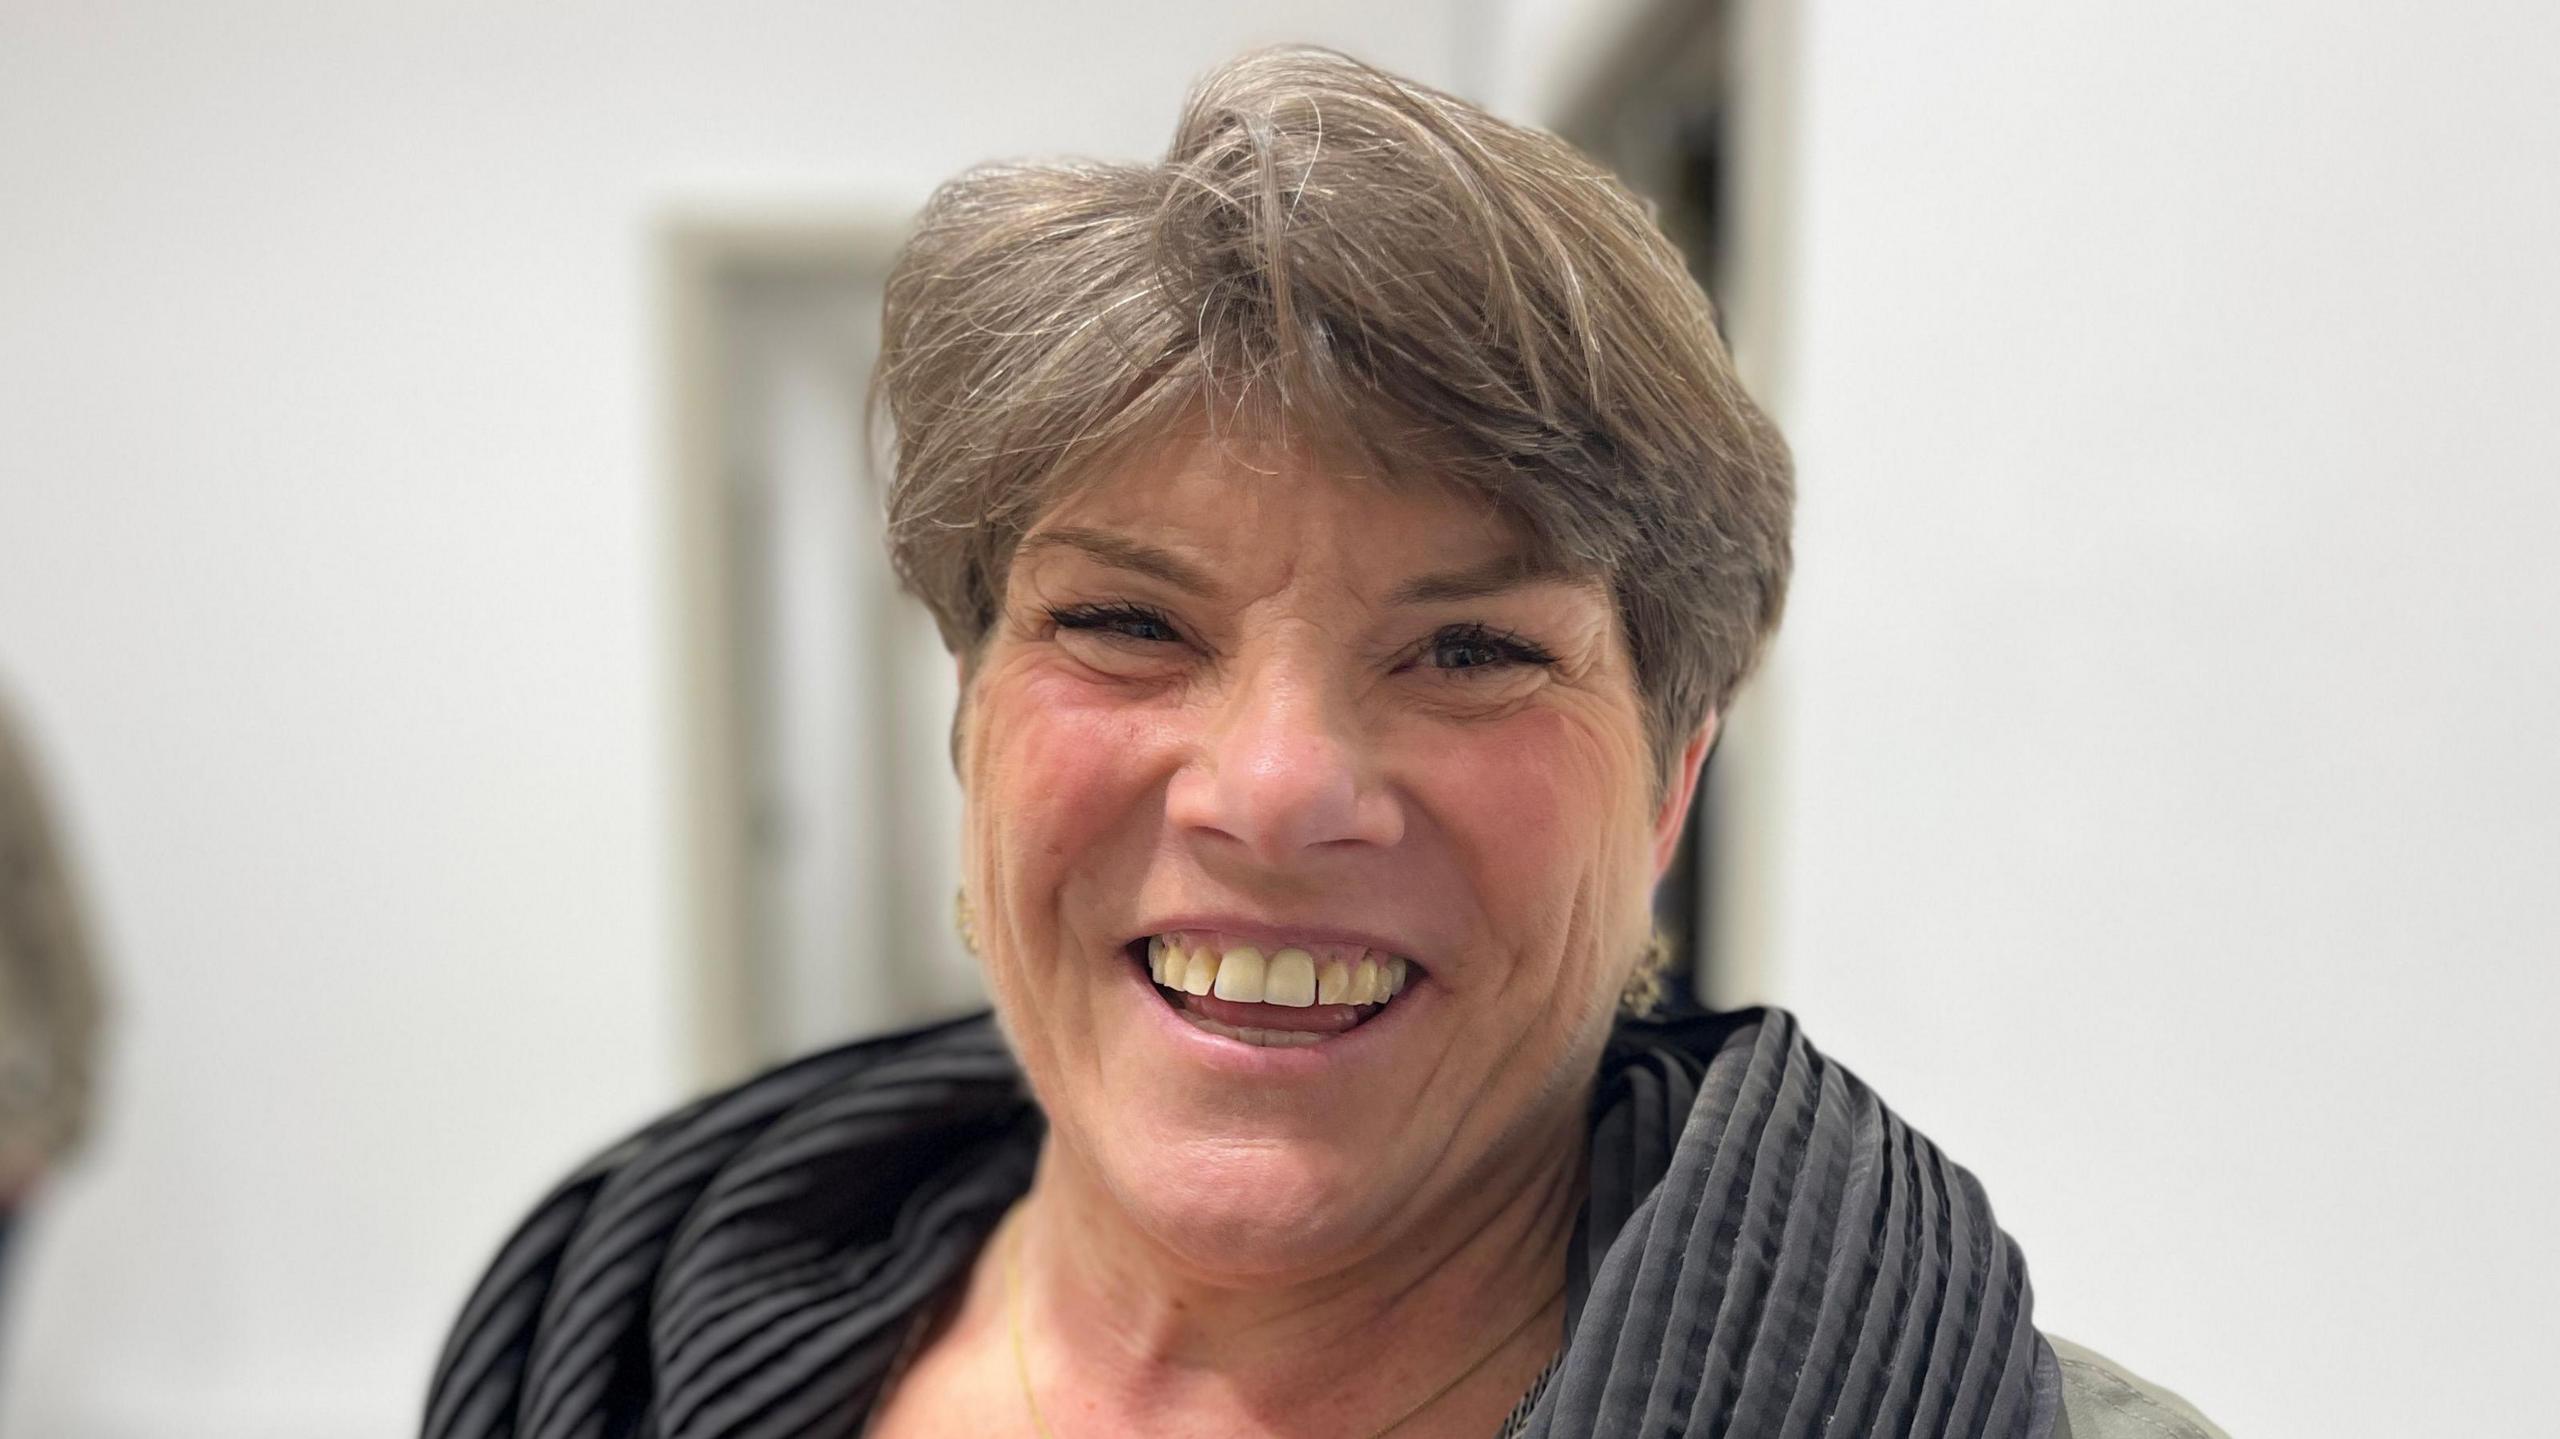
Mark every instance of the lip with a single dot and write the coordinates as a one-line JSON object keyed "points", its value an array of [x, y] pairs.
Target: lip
{"points": [[1269, 934], [1364, 1046]]}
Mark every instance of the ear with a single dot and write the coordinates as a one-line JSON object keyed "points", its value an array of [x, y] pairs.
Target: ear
{"points": [[1678, 795]]}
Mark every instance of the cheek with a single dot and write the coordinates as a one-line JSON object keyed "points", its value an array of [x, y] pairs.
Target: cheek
{"points": [[1543, 802], [1054, 770]]}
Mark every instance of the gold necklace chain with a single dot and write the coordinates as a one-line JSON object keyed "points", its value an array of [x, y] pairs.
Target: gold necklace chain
{"points": [[1040, 1422]]}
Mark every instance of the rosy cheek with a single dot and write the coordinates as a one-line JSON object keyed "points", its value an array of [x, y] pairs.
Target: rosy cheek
{"points": [[1068, 758], [1534, 798]]}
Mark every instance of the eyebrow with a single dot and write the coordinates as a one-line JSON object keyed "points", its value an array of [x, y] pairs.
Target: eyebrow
{"points": [[1494, 576], [1121, 552], [1473, 582]]}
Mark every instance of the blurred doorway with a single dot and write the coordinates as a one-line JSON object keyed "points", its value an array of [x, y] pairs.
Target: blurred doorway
{"points": [[822, 814]]}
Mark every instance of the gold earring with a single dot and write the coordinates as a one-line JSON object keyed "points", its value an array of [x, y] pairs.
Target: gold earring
{"points": [[1644, 991], [964, 918]]}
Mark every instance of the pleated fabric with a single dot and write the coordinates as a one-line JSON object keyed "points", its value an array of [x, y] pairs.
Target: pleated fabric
{"points": [[1765, 1250], [748, 1266]]}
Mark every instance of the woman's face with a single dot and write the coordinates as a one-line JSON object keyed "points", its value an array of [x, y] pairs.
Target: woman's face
{"points": [[1239, 701]]}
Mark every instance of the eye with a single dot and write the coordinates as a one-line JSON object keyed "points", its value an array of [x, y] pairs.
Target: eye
{"points": [[1462, 648], [1121, 620]]}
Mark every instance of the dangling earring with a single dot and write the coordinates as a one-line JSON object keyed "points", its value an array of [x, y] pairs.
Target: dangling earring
{"points": [[964, 918], [1643, 994]]}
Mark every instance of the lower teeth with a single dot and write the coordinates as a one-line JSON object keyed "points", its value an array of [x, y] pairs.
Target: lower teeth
{"points": [[1267, 1038]]}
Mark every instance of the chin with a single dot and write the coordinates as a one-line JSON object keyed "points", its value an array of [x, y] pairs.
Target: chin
{"points": [[1246, 1208]]}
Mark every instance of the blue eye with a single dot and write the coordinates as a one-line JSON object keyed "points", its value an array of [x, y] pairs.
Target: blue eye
{"points": [[1126, 621], [1476, 647]]}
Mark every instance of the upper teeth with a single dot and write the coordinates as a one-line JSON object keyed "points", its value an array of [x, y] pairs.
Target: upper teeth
{"points": [[1297, 976]]}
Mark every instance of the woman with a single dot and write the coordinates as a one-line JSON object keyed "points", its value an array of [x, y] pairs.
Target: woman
{"points": [[51, 1008], [1349, 531]]}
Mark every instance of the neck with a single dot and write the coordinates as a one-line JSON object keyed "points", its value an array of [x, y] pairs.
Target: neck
{"points": [[1124, 1335]]}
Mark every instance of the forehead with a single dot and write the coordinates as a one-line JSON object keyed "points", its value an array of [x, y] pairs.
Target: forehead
{"points": [[1264, 506]]}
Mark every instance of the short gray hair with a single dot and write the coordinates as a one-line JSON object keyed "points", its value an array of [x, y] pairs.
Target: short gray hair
{"points": [[1332, 257]]}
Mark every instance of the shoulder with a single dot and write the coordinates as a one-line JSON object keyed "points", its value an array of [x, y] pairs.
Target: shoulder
{"points": [[807, 1185], [2102, 1399]]}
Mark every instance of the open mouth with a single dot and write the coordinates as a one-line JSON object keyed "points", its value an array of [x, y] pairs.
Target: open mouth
{"points": [[1288, 996]]}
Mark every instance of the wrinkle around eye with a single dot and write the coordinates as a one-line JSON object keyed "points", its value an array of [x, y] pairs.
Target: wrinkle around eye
{"points": [[1109, 656], [1484, 692]]}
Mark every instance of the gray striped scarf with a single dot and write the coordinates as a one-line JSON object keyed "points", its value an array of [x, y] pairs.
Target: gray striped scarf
{"points": [[1765, 1250]]}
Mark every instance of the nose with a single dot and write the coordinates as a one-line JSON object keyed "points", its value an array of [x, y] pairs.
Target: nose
{"points": [[1284, 768]]}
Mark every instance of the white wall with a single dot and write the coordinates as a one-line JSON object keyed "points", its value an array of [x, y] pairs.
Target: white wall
{"points": [[2171, 810], [332, 571]]}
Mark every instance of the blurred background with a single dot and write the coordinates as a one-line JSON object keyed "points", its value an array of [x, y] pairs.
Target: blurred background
{"points": [[439, 593]]}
